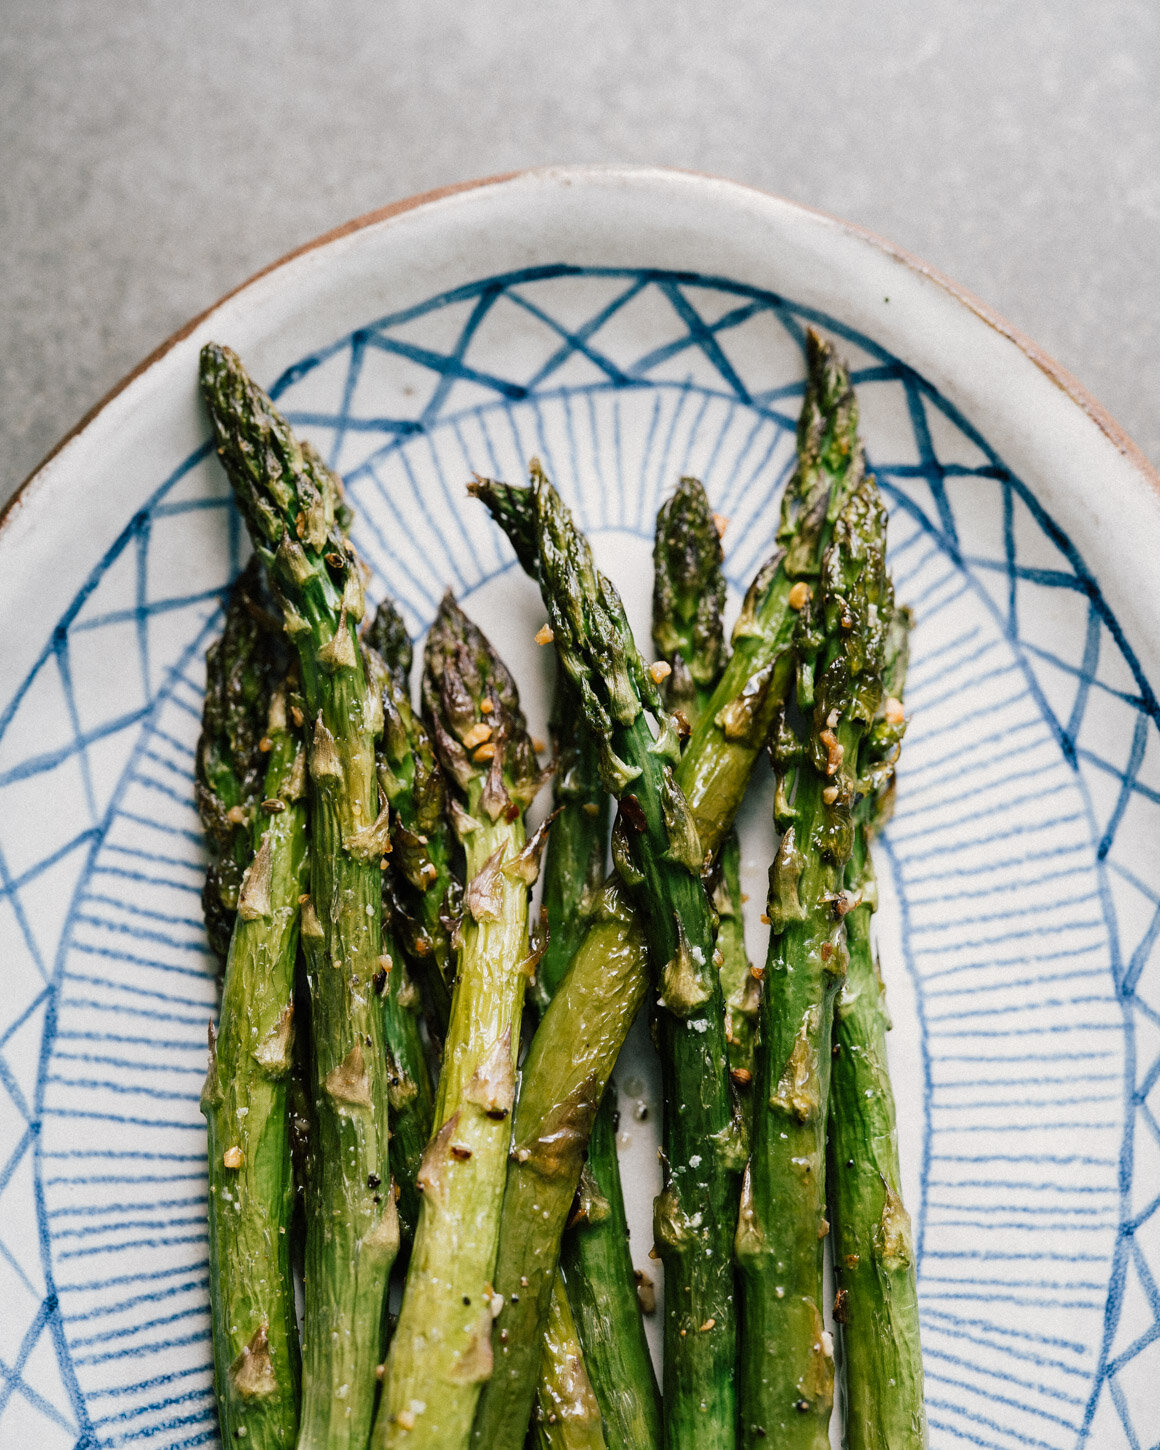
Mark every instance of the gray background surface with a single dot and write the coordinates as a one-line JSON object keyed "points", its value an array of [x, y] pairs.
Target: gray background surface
{"points": [[154, 154]]}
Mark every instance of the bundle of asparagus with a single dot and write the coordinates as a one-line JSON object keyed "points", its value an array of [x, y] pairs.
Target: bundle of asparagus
{"points": [[378, 856]]}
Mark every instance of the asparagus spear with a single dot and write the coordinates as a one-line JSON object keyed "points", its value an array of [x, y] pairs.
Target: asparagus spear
{"points": [[242, 668], [602, 1293], [567, 1415], [877, 1301], [688, 599], [251, 1191], [441, 1350], [658, 850], [740, 988], [421, 892], [292, 507], [563, 1079], [409, 1079], [786, 1363], [688, 633], [736, 721], [574, 864], [595, 1258]]}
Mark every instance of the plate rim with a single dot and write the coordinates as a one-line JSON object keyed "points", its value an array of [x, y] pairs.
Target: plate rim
{"points": [[1066, 382]]}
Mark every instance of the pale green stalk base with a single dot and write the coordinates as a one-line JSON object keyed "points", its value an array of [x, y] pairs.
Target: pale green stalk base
{"points": [[352, 1231], [255, 1337], [567, 1415], [441, 1351]]}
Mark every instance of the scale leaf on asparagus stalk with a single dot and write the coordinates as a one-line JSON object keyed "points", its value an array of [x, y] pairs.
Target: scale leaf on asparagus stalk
{"points": [[876, 1308], [786, 1360], [251, 1190], [293, 509], [441, 1350]]}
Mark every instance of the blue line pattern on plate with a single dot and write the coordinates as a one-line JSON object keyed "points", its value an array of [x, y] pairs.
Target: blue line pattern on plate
{"points": [[1028, 915]]}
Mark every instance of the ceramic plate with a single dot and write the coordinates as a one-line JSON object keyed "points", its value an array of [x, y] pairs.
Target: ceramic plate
{"points": [[628, 326]]}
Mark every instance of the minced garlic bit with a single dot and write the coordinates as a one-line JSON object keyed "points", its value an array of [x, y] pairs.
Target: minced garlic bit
{"points": [[660, 671], [233, 1158], [893, 711], [830, 794], [720, 523], [485, 752], [487, 706], [799, 595], [478, 733], [708, 1324], [544, 634]]}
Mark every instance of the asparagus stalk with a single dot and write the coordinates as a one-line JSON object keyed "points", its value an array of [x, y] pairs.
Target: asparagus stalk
{"points": [[292, 507], [251, 1190], [420, 890], [567, 1415], [688, 599], [876, 1307], [688, 633], [736, 722], [602, 1293], [595, 1258], [411, 1098], [657, 849], [786, 1363], [563, 1079], [577, 846], [241, 671], [441, 1350], [740, 988]]}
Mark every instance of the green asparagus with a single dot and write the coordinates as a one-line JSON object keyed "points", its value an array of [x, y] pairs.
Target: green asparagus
{"points": [[876, 1307], [688, 599], [736, 721], [251, 1191], [658, 852], [786, 1361], [688, 633], [242, 669], [603, 1294], [441, 1350], [421, 893], [292, 503], [578, 843], [567, 1415], [563, 1079], [595, 1257], [411, 1098]]}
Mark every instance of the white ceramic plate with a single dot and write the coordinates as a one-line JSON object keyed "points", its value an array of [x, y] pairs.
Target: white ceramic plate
{"points": [[627, 325]]}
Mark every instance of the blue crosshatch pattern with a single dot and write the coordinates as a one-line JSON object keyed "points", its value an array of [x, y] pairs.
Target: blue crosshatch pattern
{"points": [[100, 1146]]}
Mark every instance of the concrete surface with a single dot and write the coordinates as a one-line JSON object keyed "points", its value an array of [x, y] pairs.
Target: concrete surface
{"points": [[154, 154]]}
